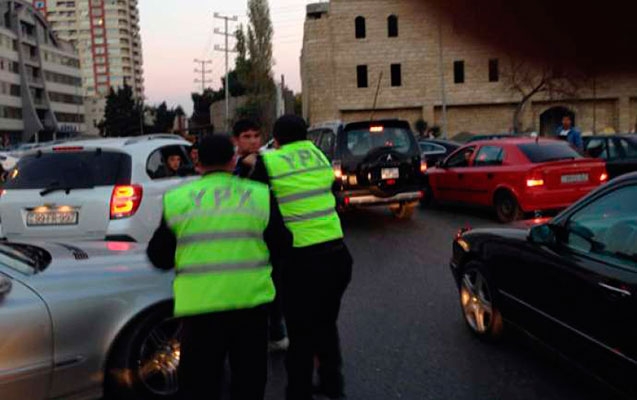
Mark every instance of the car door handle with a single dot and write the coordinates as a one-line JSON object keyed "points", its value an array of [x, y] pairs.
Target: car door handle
{"points": [[615, 290], [489, 176], [460, 176]]}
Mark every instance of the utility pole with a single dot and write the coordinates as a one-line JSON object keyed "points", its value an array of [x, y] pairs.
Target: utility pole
{"points": [[226, 19], [203, 71]]}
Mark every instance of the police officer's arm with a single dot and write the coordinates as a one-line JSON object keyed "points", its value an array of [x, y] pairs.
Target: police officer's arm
{"points": [[162, 247], [260, 173], [276, 235]]}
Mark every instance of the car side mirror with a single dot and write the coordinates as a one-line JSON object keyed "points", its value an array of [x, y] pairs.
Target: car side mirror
{"points": [[5, 287], [543, 234]]}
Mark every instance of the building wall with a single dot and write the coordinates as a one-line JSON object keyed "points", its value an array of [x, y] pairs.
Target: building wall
{"points": [[40, 79], [107, 35], [331, 53]]}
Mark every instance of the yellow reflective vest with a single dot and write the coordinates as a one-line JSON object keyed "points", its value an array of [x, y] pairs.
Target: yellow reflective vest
{"points": [[301, 178], [222, 261]]}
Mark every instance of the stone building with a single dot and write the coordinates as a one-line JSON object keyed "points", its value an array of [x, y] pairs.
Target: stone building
{"points": [[402, 50]]}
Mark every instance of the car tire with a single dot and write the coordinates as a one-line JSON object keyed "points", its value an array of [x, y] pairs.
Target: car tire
{"points": [[404, 210], [136, 368], [479, 302], [507, 208], [428, 199]]}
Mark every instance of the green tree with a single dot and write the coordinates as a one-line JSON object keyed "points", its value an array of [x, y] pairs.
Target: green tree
{"points": [[254, 63], [122, 116], [164, 119], [421, 127], [200, 119]]}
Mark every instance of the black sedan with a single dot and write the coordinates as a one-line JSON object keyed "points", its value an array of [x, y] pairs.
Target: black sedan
{"points": [[435, 150], [571, 282], [619, 151]]}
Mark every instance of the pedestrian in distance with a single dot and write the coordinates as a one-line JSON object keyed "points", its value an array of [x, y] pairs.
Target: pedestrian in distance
{"points": [[318, 270], [220, 233], [571, 134], [247, 139]]}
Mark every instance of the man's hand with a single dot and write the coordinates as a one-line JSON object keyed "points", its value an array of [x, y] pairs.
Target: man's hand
{"points": [[250, 160]]}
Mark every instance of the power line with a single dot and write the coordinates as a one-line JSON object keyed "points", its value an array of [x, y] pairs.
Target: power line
{"points": [[203, 71], [227, 19]]}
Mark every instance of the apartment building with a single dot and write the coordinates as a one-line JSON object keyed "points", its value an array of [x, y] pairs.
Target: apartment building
{"points": [[40, 78], [107, 36]]}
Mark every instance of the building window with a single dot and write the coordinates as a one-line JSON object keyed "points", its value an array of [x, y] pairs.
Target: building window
{"points": [[360, 27], [361, 76], [392, 26], [494, 70], [396, 75], [458, 71]]}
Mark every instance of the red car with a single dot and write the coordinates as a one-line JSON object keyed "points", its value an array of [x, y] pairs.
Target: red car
{"points": [[515, 176]]}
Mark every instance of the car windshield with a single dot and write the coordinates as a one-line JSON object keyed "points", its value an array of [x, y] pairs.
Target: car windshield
{"points": [[85, 169], [361, 141], [546, 152]]}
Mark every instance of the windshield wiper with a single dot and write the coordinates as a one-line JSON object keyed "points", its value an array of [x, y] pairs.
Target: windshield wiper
{"points": [[56, 187]]}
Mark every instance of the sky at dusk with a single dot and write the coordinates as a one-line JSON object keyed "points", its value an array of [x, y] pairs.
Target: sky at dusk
{"points": [[175, 33]]}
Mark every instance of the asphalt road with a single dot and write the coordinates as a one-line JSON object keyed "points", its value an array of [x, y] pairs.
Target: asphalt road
{"points": [[402, 333]]}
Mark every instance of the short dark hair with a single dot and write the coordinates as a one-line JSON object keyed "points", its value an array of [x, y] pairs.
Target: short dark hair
{"points": [[215, 151], [290, 129], [245, 125]]}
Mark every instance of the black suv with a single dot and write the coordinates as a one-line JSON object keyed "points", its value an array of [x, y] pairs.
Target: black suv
{"points": [[375, 163]]}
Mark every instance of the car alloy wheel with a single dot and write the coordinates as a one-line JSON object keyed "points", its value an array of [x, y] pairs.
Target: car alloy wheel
{"points": [[475, 297], [159, 356], [507, 208]]}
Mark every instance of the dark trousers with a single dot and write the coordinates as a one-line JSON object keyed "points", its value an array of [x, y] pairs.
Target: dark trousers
{"points": [[275, 311], [312, 290], [242, 337]]}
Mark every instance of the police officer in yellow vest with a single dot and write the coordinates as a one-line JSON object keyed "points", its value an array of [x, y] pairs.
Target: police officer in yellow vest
{"points": [[319, 269], [220, 233]]}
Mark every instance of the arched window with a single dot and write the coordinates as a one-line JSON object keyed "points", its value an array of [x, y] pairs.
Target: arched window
{"points": [[392, 26], [360, 27]]}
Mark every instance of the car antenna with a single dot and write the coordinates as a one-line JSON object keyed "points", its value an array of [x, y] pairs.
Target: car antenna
{"points": [[380, 78]]}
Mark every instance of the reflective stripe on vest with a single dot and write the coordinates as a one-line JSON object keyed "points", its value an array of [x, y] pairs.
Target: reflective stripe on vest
{"points": [[302, 178], [222, 261]]}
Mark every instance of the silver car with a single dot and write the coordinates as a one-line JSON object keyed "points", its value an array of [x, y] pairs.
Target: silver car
{"points": [[85, 320]]}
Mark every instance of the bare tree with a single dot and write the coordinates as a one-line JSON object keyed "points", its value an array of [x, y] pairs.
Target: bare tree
{"points": [[551, 80]]}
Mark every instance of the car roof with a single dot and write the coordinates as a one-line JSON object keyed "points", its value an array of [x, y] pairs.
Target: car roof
{"points": [[511, 140], [122, 143], [441, 142]]}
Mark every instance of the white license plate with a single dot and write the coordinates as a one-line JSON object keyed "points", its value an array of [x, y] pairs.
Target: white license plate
{"points": [[51, 218], [390, 173], [577, 178]]}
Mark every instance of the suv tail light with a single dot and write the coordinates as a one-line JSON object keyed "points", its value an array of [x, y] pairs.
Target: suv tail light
{"points": [[423, 165], [603, 177], [125, 201], [338, 169], [534, 180]]}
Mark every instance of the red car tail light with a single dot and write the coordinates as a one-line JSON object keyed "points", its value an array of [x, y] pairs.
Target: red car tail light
{"points": [[534, 182], [125, 201], [603, 177]]}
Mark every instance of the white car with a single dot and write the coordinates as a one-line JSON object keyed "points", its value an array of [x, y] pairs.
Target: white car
{"points": [[107, 189]]}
